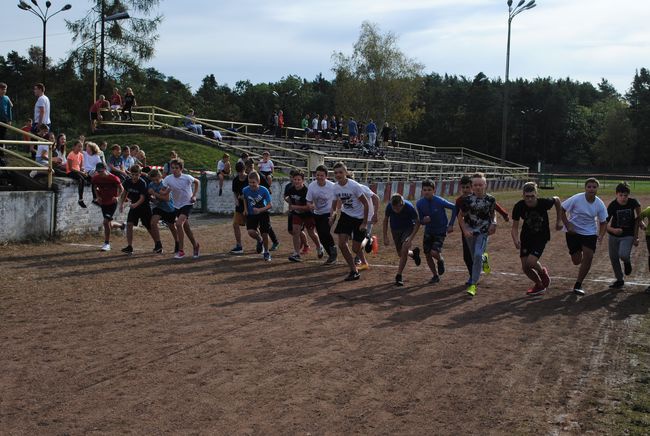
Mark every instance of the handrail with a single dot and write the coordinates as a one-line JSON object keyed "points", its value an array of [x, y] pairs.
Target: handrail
{"points": [[38, 141]]}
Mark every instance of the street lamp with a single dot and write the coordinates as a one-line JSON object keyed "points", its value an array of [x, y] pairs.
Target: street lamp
{"points": [[114, 17], [44, 17], [512, 13]]}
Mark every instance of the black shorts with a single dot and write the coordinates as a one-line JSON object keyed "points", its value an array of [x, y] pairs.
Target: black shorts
{"points": [[141, 213], [185, 210], [168, 217], [576, 242], [266, 173], [532, 248], [399, 235], [108, 210], [348, 225], [262, 220], [431, 242], [93, 115]]}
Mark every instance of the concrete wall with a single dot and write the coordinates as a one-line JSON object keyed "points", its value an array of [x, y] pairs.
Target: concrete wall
{"points": [[25, 215], [225, 203]]}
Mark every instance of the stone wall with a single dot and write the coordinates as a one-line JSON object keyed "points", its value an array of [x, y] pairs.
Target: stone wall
{"points": [[25, 215]]}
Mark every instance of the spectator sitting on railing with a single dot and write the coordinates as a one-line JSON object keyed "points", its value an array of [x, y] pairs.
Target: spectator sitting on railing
{"points": [[129, 104], [95, 111], [116, 104], [75, 170], [92, 156], [190, 123]]}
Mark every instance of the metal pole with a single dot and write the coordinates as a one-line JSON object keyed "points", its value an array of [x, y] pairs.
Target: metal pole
{"points": [[504, 128], [95, 64], [101, 60], [44, 48]]}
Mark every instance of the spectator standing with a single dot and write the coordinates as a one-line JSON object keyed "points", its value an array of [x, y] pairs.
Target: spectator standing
{"points": [[371, 130], [393, 135], [6, 113], [324, 125], [352, 130], [41, 108], [385, 134], [129, 104], [304, 124], [27, 128], [95, 111]]}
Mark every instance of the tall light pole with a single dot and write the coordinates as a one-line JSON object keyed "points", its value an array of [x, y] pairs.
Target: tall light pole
{"points": [[44, 16], [512, 13], [114, 17]]}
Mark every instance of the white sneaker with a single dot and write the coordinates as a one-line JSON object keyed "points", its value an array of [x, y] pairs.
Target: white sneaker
{"points": [[106, 247]]}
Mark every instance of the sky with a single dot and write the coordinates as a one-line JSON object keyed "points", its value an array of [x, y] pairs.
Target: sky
{"points": [[265, 41]]}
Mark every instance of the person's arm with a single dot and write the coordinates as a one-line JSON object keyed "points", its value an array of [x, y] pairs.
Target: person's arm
{"points": [[268, 204], [558, 211], [41, 114], [245, 206], [335, 210], [139, 202], [375, 205], [602, 230], [493, 219], [195, 189], [120, 191], [366, 208], [96, 191], [164, 194], [385, 228], [454, 214], [502, 212], [69, 163], [122, 199], [515, 233]]}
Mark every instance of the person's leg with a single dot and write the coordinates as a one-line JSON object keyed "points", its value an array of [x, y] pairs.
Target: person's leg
{"points": [[296, 234], [625, 252], [180, 223], [188, 232], [129, 234], [575, 248], [529, 266], [477, 244], [155, 230], [404, 252], [311, 231], [107, 231], [614, 245], [220, 181], [467, 255], [585, 266], [237, 232], [345, 251], [273, 236], [324, 233]]}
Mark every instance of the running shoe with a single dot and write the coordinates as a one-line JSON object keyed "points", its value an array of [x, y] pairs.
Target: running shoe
{"points": [[267, 256], [434, 280], [175, 247], [305, 249], [259, 247], [363, 267], [618, 284], [416, 256], [331, 259], [546, 279], [106, 247], [441, 266], [536, 290], [354, 275], [237, 250], [195, 255], [628, 268], [486, 264], [647, 290], [398, 280], [127, 250], [577, 289], [320, 252], [471, 290], [82, 204], [158, 249], [179, 254], [274, 246], [295, 257], [220, 191]]}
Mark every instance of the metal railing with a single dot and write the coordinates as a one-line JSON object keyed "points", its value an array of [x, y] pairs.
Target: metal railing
{"points": [[36, 141]]}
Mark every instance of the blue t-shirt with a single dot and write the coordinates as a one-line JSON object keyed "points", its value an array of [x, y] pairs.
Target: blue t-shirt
{"points": [[116, 161], [405, 219], [167, 206], [352, 127], [256, 199], [371, 128], [128, 161], [435, 209], [5, 109]]}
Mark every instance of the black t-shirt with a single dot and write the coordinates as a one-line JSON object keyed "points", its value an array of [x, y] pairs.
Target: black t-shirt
{"points": [[237, 187], [129, 100], [623, 216], [134, 190], [536, 223], [297, 197]]}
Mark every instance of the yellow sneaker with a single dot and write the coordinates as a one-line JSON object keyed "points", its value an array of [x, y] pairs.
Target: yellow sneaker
{"points": [[486, 264], [363, 267], [471, 290]]}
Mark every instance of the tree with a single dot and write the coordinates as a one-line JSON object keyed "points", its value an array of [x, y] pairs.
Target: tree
{"points": [[123, 44], [639, 99], [614, 146], [378, 80]]}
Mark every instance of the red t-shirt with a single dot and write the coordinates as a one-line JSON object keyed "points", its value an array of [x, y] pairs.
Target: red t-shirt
{"points": [[116, 99], [108, 186], [98, 105]]}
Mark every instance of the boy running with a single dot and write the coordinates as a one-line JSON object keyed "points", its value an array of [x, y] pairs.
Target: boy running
{"points": [[404, 225], [535, 233], [238, 218], [583, 233], [163, 209], [135, 191], [257, 203], [320, 194], [623, 217], [301, 215], [479, 222], [183, 188], [431, 210], [108, 189], [353, 219]]}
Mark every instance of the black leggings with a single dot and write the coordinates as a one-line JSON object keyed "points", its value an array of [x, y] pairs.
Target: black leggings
{"points": [[82, 179], [467, 255], [323, 229], [127, 109]]}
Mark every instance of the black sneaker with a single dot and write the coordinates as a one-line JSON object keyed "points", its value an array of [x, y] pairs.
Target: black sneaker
{"points": [[220, 192], [647, 290], [128, 250], [627, 268], [618, 284], [158, 248], [577, 289], [441, 266], [398, 280], [175, 247], [354, 275], [368, 246], [81, 203], [295, 257], [435, 279], [416, 256]]}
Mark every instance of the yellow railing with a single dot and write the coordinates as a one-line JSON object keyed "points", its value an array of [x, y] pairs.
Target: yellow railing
{"points": [[37, 141]]}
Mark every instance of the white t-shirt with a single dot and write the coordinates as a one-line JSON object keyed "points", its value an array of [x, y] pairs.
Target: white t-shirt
{"points": [[349, 195], [321, 196], [221, 165], [181, 189], [39, 151], [583, 214], [314, 124], [44, 102], [91, 161], [368, 193], [323, 125], [266, 166]]}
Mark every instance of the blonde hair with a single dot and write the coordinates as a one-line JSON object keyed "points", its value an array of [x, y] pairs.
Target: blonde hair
{"points": [[94, 148]]}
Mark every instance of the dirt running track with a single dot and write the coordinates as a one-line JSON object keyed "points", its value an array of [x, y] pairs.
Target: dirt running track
{"points": [[102, 343]]}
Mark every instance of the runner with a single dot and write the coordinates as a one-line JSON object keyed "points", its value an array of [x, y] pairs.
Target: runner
{"points": [[183, 188], [108, 189], [535, 233], [623, 217], [583, 232], [404, 225], [163, 209], [320, 194], [257, 203], [238, 219], [135, 191], [301, 216]]}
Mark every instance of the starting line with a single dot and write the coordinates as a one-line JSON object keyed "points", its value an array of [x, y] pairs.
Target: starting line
{"points": [[453, 269]]}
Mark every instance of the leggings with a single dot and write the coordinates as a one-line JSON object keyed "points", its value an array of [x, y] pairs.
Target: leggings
{"points": [[467, 255], [477, 245], [323, 229], [620, 248], [82, 179]]}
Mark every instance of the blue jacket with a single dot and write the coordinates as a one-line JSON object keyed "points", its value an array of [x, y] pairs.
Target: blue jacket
{"points": [[435, 209]]}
